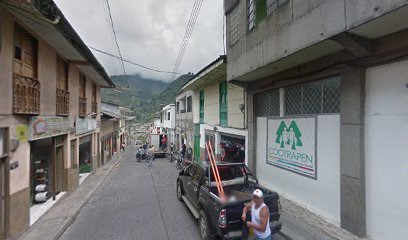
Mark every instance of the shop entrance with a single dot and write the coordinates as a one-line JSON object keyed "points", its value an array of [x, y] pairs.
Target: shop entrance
{"points": [[85, 161], [47, 167], [232, 149]]}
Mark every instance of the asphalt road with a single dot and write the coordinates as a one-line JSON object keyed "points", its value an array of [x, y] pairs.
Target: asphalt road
{"points": [[136, 202]]}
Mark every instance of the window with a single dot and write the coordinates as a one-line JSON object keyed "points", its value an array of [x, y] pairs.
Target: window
{"points": [[272, 5], [168, 115], [82, 95], [233, 21], [202, 106], [268, 103], [62, 74], [189, 103], [321, 97], [260, 10], [223, 104], [94, 100], [251, 14], [26, 88], [183, 105], [178, 107]]}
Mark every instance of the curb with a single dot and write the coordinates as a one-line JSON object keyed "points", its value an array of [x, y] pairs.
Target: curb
{"points": [[282, 234], [73, 217]]}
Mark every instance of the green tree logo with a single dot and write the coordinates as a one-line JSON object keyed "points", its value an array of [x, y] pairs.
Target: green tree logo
{"points": [[289, 136]]}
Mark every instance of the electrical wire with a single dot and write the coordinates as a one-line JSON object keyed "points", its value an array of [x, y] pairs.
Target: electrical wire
{"points": [[116, 40], [187, 35], [133, 63]]}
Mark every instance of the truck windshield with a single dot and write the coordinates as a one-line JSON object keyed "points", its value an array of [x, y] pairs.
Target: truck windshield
{"points": [[228, 172]]}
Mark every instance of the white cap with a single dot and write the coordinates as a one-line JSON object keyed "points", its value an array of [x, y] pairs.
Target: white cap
{"points": [[257, 193]]}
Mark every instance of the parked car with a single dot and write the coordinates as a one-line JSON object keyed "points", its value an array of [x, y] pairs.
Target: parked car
{"points": [[196, 187]]}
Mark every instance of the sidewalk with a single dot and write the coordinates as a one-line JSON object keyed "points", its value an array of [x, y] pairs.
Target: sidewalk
{"points": [[56, 220], [300, 224]]}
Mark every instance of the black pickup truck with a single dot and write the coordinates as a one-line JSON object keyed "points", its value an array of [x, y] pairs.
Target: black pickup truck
{"points": [[196, 187]]}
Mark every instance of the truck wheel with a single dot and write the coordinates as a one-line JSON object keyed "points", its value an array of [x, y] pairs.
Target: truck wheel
{"points": [[179, 191], [206, 233]]}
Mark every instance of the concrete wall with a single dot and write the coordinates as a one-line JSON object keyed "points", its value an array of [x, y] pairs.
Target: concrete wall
{"points": [[386, 131], [235, 97], [294, 26], [322, 196], [212, 104]]}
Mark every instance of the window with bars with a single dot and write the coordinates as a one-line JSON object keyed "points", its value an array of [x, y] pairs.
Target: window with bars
{"points": [[272, 5], [268, 104], [233, 21], [321, 97], [223, 104], [251, 14], [26, 87]]}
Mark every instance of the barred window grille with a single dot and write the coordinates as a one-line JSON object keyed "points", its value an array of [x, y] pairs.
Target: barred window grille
{"points": [[321, 97], [267, 103], [234, 25], [251, 14]]}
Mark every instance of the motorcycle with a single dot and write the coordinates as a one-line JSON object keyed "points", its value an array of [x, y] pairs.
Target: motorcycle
{"points": [[141, 155], [181, 161]]}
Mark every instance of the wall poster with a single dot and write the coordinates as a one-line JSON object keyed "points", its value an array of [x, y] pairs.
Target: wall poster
{"points": [[291, 145]]}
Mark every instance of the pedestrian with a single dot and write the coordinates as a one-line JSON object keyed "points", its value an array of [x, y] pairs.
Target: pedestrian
{"points": [[183, 150], [164, 142], [150, 155], [171, 147], [123, 147], [259, 216], [145, 146]]}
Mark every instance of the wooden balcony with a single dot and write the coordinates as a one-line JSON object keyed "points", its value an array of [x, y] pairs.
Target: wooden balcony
{"points": [[94, 109], [62, 103], [82, 107], [26, 95]]}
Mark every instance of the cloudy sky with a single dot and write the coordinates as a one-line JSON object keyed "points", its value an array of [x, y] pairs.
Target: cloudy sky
{"points": [[149, 32]]}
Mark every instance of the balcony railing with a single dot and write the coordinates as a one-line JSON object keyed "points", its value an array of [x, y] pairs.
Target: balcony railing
{"points": [[94, 108], [62, 103], [26, 95], [82, 107]]}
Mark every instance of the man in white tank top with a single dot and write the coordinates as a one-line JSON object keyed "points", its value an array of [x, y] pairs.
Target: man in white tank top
{"points": [[259, 216]]}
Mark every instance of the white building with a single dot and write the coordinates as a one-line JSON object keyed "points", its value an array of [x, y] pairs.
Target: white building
{"points": [[168, 115], [219, 114], [327, 105]]}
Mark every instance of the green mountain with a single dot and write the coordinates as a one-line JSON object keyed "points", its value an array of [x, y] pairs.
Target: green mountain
{"points": [[169, 94], [143, 96]]}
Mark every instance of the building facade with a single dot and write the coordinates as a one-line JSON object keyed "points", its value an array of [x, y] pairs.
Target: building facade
{"points": [[218, 114], [49, 126], [324, 79], [184, 119]]}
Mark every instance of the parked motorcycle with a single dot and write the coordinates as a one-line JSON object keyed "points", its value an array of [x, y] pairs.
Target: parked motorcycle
{"points": [[141, 155], [180, 161]]}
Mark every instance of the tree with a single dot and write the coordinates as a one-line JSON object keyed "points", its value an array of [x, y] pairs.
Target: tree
{"points": [[279, 132]]}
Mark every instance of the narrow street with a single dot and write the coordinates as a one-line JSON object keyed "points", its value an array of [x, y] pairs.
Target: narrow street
{"points": [[136, 202]]}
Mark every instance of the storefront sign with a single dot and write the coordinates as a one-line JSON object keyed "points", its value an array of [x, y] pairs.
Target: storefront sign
{"points": [[292, 145], [48, 126], [22, 133], [85, 125]]}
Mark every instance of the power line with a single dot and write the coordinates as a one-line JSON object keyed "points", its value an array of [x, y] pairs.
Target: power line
{"points": [[187, 35], [134, 63], [189, 31], [116, 39]]}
